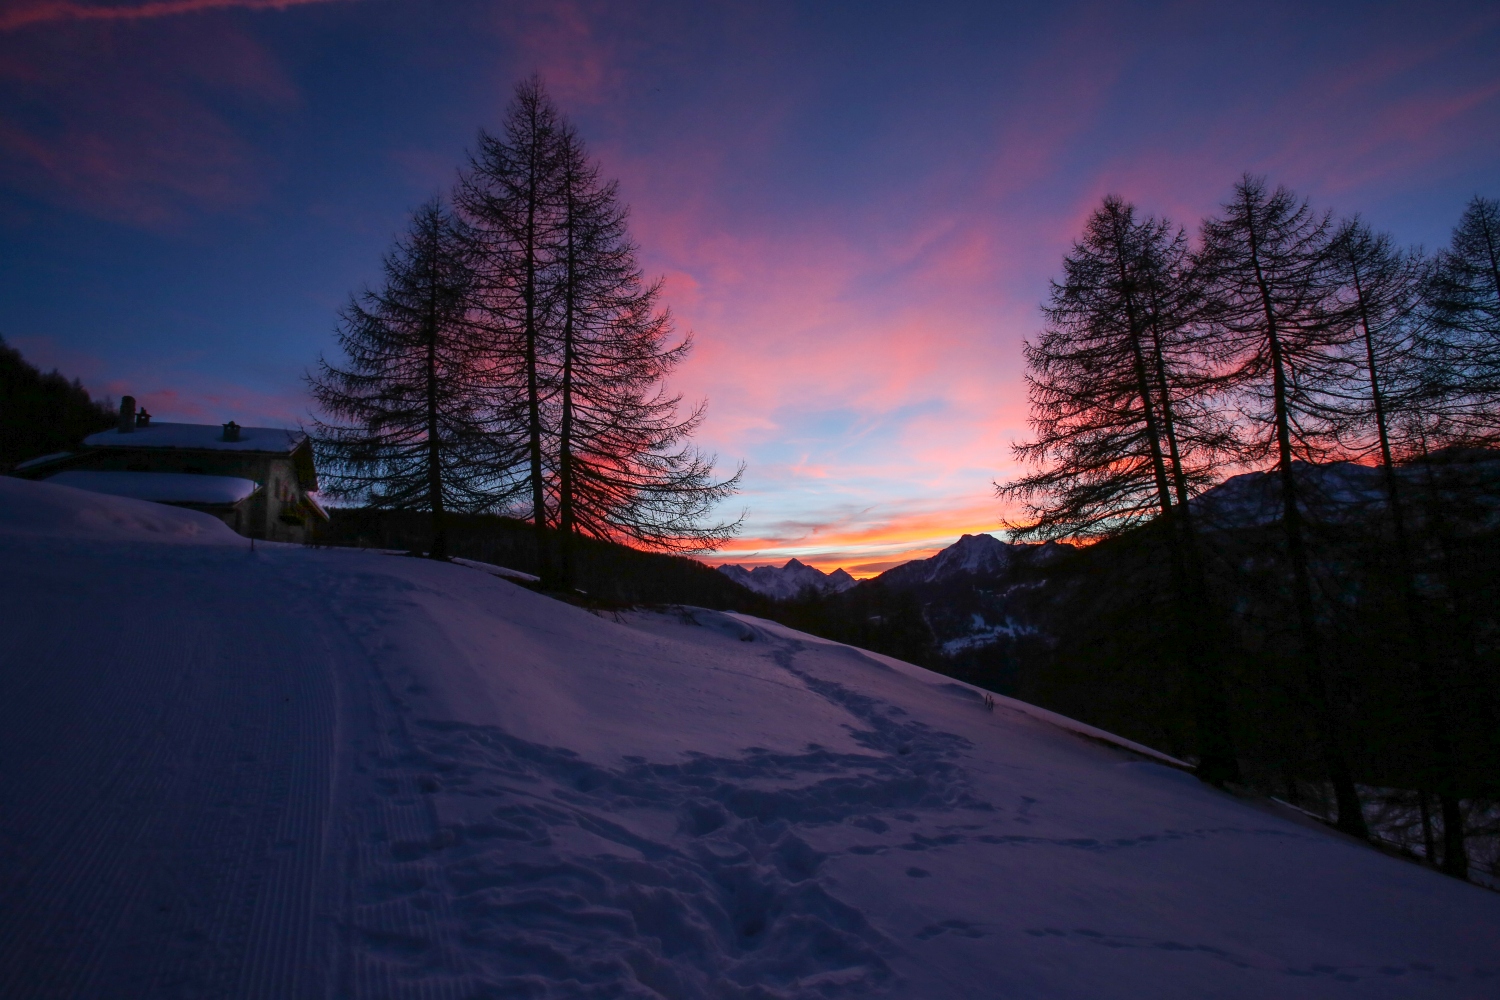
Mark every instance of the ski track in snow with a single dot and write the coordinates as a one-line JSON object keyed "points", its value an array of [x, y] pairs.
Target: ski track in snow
{"points": [[226, 774], [175, 788]]}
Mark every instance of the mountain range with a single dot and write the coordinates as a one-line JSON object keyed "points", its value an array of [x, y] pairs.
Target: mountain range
{"points": [[979, 556], [792, 580], [981, 592], [970, 556]]}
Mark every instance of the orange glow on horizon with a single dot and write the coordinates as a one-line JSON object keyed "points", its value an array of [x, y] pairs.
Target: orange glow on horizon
{"points": [[868, 547]]}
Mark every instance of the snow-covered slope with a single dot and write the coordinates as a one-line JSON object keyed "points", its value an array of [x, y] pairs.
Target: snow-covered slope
{"points": [[785, 582], [295, 772]]}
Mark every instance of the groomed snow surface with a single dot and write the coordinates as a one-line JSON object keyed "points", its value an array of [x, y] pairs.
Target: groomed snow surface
{"points": [[319, 773]]}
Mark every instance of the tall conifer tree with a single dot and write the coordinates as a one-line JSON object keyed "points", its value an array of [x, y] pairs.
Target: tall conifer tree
{"points": [[408, 426], [1381, 287], [1117, 383], [626, 469], [1463, 310], [1268, 284], [508, 198], [581, 347]]}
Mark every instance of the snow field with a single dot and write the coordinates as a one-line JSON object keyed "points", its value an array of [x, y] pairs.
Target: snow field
{"points": [[299, 773]]}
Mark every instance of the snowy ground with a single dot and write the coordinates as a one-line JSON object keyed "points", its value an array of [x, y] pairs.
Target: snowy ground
{"points": [[293, 773]]}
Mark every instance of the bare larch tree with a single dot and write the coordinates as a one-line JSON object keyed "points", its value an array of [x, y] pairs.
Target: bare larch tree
{"points": [[1265, 263], [1118, 381], [508, 200], [407, 426]]}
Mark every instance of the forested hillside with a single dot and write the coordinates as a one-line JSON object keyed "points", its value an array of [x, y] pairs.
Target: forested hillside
{"points": [[42, 413]]}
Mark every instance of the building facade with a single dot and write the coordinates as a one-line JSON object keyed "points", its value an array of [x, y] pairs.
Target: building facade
{"points": [[258, 480]]}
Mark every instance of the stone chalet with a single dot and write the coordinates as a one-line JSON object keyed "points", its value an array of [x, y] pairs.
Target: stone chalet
{"points": [[258, 480]]}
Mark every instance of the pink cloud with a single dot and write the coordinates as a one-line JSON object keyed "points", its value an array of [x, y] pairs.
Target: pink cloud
{"points": [[1375, 121], [119, 173], [569, 43], [153, 145], [855, 352], [906, 315], [48, 11]]}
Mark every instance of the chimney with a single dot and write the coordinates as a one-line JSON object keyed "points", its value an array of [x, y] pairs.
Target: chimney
{"points": [[127, 414], [231, 431]]}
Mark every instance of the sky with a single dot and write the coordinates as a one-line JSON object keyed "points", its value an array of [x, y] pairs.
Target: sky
{"points": [[856, 207]]}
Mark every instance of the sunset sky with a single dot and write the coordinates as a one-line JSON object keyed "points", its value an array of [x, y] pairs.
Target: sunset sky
{"points": [[856, 206]]}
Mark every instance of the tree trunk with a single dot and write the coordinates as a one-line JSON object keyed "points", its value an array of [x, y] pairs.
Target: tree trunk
{"points": [[1351, 818], [533, 387], [1429, 844], [1216, 761], [1455, 853], [1433, 710], [438, 548], [565, 524]]}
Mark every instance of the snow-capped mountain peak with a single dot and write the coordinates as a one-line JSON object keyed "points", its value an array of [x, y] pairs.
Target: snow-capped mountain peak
{"points": [[973, 555], [788, 581]]}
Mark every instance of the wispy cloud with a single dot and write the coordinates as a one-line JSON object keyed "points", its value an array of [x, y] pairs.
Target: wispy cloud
{"points": [[151, 129], [865, 541], [857, 225], [24, 15]]}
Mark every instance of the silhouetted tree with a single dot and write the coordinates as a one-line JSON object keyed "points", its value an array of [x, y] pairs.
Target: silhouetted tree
{"points": [[1381, 288], [1117, 382], [1095, 378], [580, 346], [1265, 263], [1463, 311], [626, 469], [409, 424], [508, 199]]}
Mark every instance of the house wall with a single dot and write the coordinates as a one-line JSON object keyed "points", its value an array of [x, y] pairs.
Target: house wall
{"points": [[279, 511]]}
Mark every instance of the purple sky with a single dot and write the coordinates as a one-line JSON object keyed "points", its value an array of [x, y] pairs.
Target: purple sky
{"points": [[856, 206]]}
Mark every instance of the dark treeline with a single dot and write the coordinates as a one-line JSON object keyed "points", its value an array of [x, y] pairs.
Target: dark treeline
{"points": [[871, 616], [608, 574], [43, 413], [513, 362], [1320, 628]]}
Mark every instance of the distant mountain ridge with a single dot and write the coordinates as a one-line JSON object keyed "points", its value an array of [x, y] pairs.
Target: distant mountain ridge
{"points": [[972, 555], [1345, 491], [786, 582], [982, 592], [977, 593]]}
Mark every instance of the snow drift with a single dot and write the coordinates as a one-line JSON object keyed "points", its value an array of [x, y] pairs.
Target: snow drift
{"points": [[296, 772]]}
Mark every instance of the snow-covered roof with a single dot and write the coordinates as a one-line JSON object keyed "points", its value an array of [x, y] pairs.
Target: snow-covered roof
{"points": [[56, 456], [201, 437], [162, 487]]}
